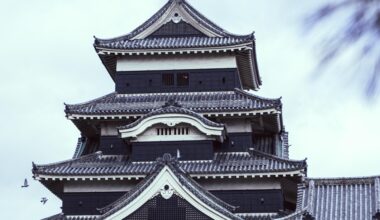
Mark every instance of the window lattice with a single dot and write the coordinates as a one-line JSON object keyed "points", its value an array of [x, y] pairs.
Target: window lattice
{"points": [[173, 131]]}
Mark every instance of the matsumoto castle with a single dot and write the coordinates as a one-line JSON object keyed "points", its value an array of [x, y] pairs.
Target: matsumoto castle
{"points": [[182, 138]]}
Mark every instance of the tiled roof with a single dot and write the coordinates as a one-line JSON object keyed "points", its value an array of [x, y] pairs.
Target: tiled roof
{"points": [[173, 110], [80, 147], [345, 198], [200, 102], [127, 42], [63, 217], [219, 41], [223, 163], [298, 215], [175, 42], [204, 20], [285, 141], [257, 216], [186, 182]]}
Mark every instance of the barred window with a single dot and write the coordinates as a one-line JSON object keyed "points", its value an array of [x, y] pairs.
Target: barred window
{"points": [[168, 79], [173, 131]]}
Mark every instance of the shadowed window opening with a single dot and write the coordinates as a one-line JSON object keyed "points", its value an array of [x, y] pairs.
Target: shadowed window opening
{"points": [[173, 131], [182, 79]]}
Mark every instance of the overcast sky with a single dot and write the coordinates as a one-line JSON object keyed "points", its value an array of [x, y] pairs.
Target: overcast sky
{"points": [[47, 58]]}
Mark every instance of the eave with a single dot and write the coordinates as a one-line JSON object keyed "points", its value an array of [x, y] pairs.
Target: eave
{"points": [[224, 165], [270, 111], [245, 57], [122, 106], [295, 173]]}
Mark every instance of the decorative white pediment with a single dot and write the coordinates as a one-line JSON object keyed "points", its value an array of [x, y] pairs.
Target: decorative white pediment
{"points": [[180, 132], [171, 121], [166, 184], [175, 13]]}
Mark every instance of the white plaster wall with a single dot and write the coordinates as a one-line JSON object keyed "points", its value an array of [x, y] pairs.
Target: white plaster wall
{"points": [[238, 125], [151, 135], [85, 186], [240, 184], [148, 63], [109, 129]]}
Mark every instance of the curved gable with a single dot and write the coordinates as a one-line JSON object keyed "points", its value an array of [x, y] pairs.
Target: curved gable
{"points": [[167, 181], [177, 12], [172, 117]]}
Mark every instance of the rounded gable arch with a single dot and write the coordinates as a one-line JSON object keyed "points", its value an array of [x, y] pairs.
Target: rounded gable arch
{"points": [[206, 127]]}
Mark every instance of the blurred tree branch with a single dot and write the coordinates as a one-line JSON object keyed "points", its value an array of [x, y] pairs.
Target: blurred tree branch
{"points": [[360, 31]]}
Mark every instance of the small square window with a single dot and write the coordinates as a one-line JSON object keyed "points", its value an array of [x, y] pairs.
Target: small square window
{"points": [[168, 79], [182, 79]]}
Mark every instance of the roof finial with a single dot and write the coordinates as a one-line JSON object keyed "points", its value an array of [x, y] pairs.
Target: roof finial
{"points": [[166, 159], [307, 216], [177, 1]]}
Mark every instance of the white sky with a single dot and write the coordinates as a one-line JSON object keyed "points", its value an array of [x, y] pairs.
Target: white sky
{"points": [[47, 58]]}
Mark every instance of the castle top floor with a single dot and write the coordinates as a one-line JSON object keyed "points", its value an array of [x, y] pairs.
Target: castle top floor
{"points": [[179, 49]]}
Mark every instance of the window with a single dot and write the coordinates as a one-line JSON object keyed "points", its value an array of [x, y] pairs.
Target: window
{"points": [[182, 79], [168, 79], [173, 131]]}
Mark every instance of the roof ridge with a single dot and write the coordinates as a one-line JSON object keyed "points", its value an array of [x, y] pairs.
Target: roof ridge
{"points": [[251, 95], [172, 163], [198, 187], [277, 157], [348, 179], [82, 158], [199, 17], [91, 101], [130, 195], [137, 30], [292, 215], [210, 24], [80, 147]]}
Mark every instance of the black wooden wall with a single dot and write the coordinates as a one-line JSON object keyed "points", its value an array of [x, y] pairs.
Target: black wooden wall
{"points": [[113, 145], [250, 201], [199, 80], [87, 203], [189, 150], [237, 142]]}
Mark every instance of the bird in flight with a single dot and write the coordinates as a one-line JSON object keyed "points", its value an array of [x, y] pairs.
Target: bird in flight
{"points": [[44, 200], [25, 184]]}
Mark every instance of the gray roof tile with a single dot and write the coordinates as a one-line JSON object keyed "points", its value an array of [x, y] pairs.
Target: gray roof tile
{"points": [[174, 43], [126, 42], [188, 183], [222, 101], [61, 216], [223, 163], [107, 48], [344, 198]]}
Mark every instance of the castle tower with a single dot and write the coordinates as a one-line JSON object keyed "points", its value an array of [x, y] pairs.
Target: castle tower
{"points": [[180, 137]]}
